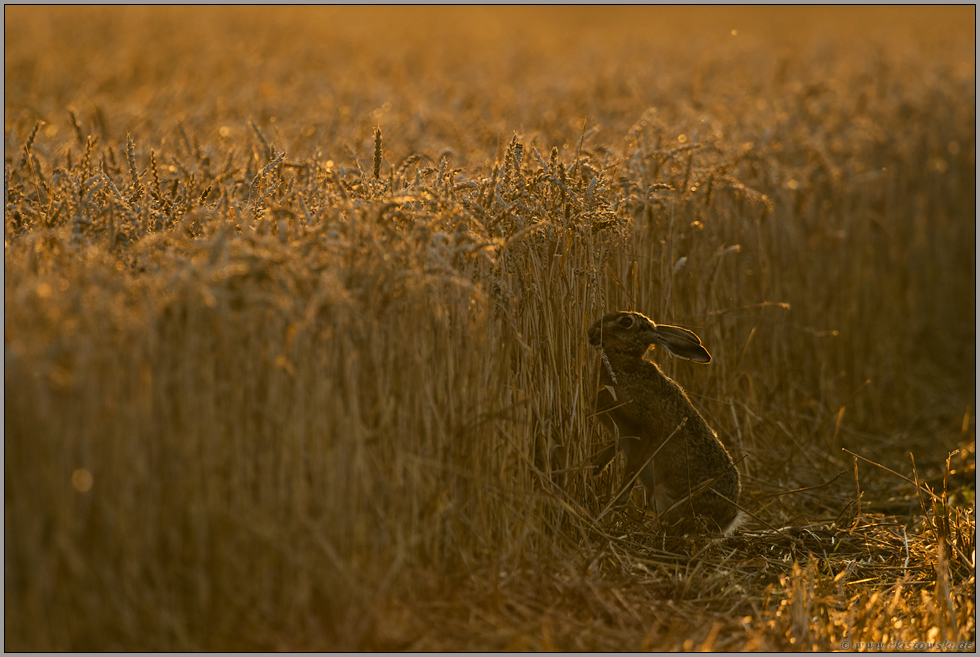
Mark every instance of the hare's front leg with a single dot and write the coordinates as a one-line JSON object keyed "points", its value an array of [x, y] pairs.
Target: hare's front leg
{"points": [[605, 455], [658, 498], [637, 457]]}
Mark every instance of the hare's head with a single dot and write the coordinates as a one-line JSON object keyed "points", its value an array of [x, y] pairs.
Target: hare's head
{"points": [[631, 334], [623, 332]]}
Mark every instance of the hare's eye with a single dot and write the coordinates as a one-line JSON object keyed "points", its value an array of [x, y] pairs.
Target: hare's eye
{"points": [[626, 322]]}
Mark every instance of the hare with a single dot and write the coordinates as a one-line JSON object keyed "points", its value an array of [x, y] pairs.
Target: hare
{"points": [[690, 480]]}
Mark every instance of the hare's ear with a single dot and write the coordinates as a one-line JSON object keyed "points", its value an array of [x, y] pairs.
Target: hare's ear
{"points": [[682, 343]]}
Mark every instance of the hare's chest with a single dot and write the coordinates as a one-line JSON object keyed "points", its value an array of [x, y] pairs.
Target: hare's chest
{"points": [[618, 401], [634, 392], [610, 397]]}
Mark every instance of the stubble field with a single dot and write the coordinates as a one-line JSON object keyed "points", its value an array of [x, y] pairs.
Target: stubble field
{"points": [[295, 311]]}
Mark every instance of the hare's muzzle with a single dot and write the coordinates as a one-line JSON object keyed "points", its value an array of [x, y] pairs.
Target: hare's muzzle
{"points": [[595, 335]]}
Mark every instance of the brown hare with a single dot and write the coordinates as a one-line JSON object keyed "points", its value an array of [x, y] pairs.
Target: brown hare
{"points": [[690, 480]]}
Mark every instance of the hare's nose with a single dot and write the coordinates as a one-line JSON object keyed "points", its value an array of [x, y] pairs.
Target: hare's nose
{"points": [[595, 335]]}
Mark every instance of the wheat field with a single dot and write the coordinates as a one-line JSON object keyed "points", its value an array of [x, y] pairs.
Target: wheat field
{"points": [[295, 311]]}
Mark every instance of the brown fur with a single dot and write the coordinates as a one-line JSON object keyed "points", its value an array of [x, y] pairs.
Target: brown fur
{"points": [[690, 481]]}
